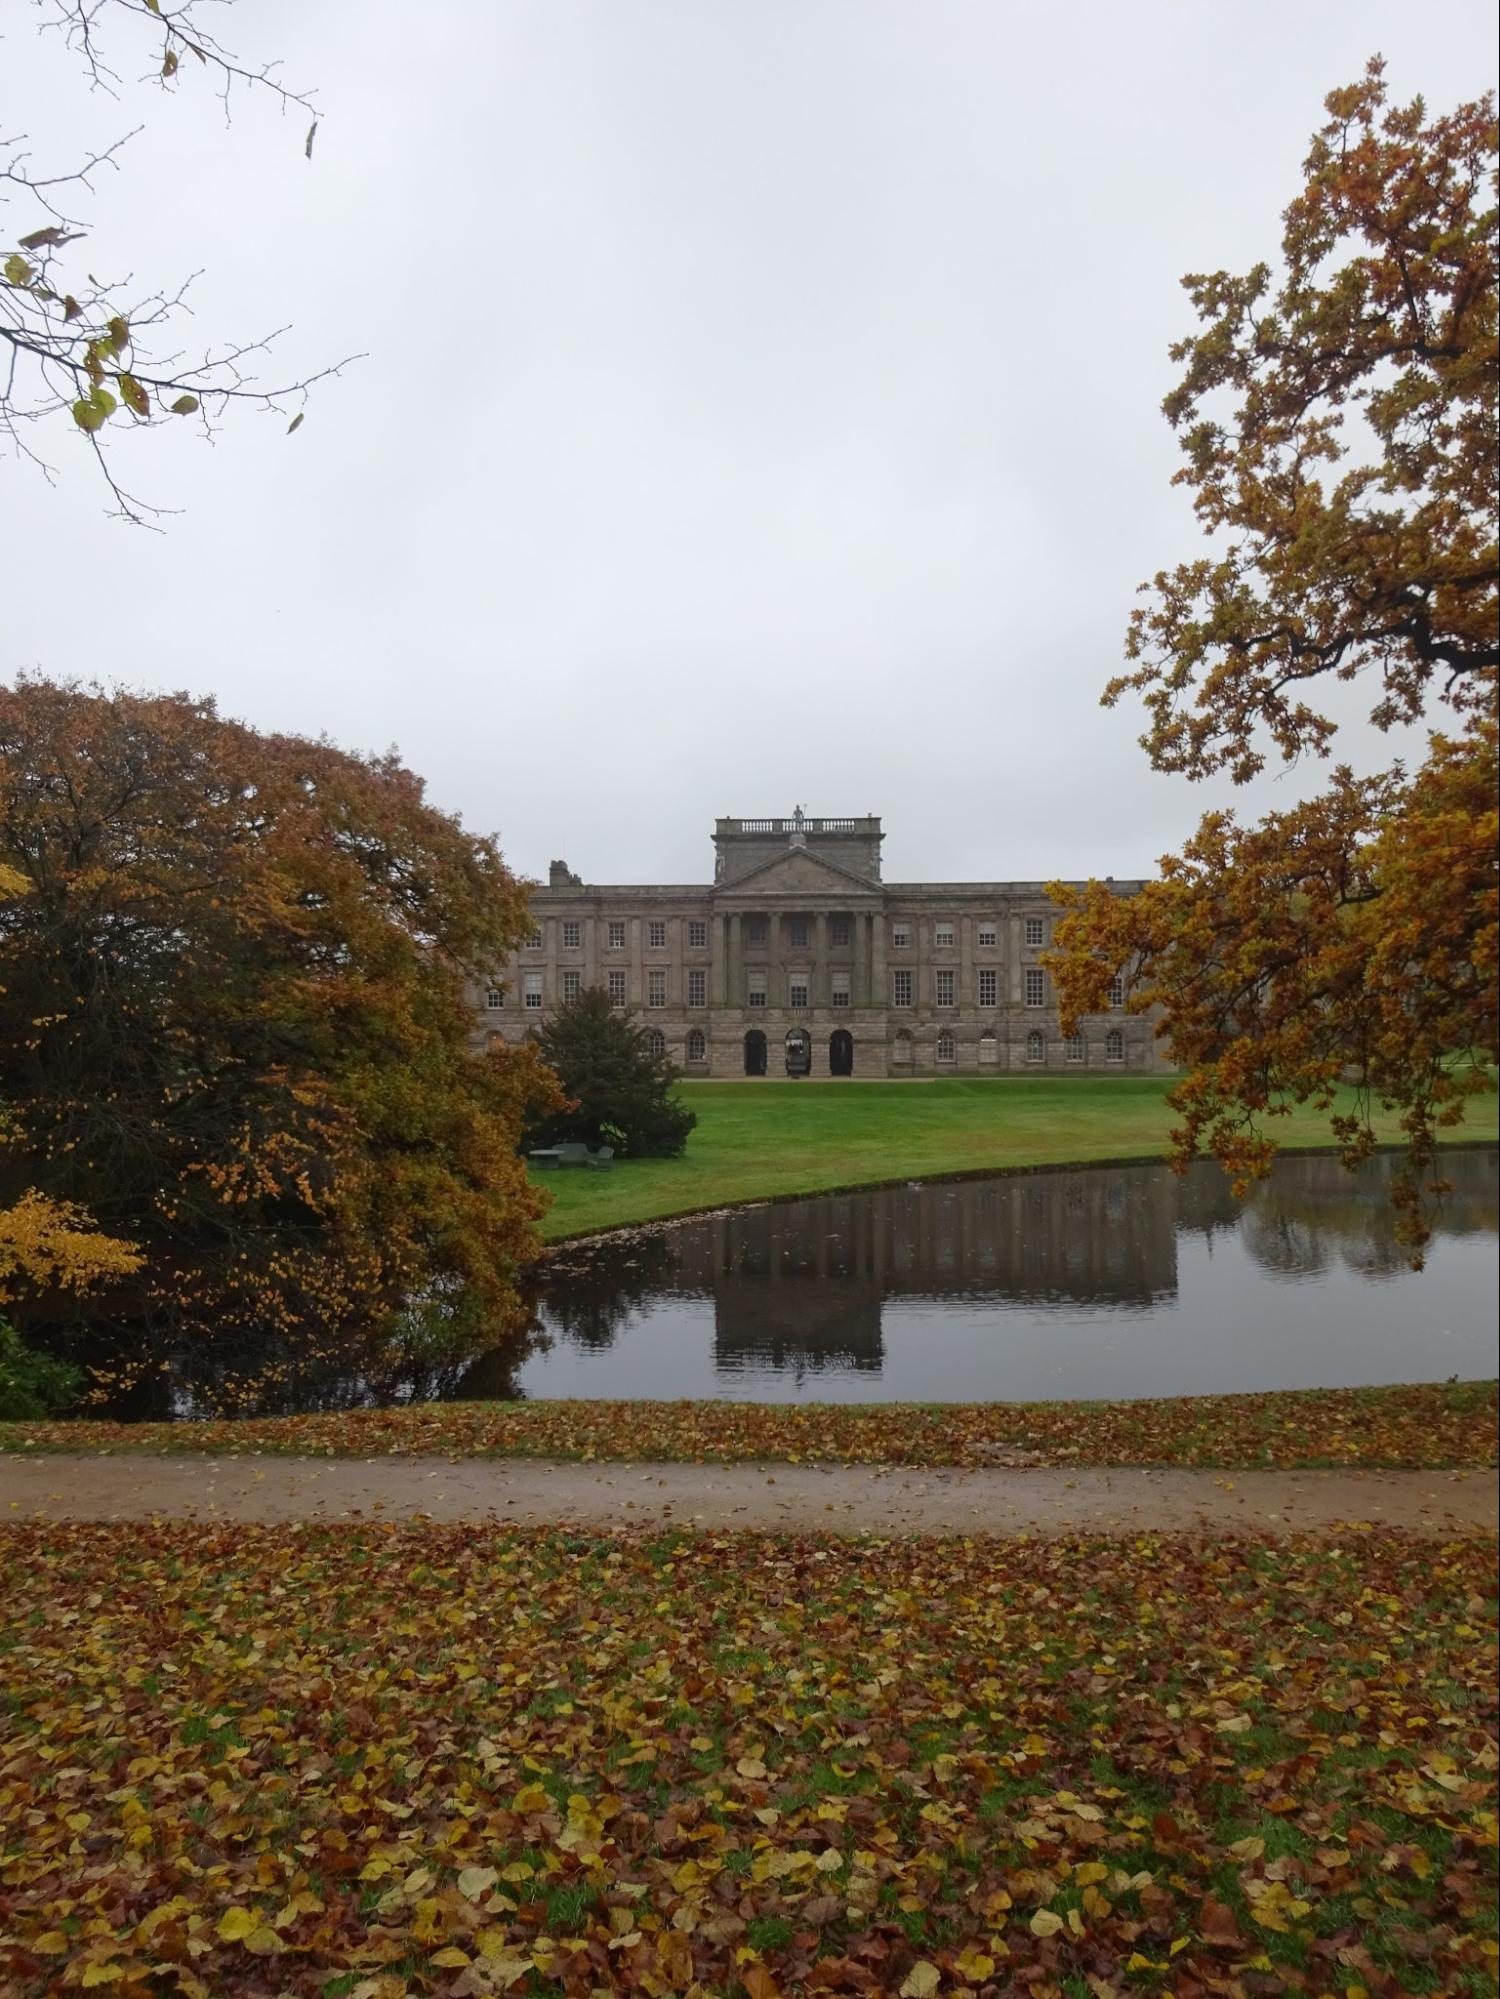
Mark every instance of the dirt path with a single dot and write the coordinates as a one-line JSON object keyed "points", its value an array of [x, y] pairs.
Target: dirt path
{"points": [[838, 1499]]}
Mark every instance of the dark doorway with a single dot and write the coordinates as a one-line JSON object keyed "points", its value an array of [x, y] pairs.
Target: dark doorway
{"points": [[841, 1052], [755, 1053], [799, 1052]]}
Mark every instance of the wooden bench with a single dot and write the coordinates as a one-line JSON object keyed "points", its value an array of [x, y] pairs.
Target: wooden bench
{"points": [[571, 1154]]}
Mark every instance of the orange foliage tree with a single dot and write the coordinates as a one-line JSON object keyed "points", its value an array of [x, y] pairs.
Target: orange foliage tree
{"points": [[50, 1243], [234, 1027], [1338, 436]]}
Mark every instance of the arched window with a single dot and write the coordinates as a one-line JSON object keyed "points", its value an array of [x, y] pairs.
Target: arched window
{"points": [[989, 1051], [901, 1050], [1036, 1047], [1114, 1046], [656, 1041], [947, 1047], [1075, 1048], [697, 1045]]}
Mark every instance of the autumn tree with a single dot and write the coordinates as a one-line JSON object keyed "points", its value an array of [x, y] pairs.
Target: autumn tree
{"points": [[45, 1246], [1337, 422], [86, 353], [619, 1086], [234, 1029]]}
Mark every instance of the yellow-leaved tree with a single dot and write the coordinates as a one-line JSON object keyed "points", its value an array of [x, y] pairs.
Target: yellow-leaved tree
{"points": [[1338, 431], [46, 1245]]}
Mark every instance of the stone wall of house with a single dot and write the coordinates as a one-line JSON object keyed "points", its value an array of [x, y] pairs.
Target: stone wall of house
{"points": [[923, 978]]}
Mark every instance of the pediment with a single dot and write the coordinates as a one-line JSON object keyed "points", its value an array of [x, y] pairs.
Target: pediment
{"points": [[799, 873]]}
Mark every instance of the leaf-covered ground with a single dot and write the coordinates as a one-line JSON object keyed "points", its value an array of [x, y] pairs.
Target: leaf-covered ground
{"points": [[1434, 1425], [371, 1761]]}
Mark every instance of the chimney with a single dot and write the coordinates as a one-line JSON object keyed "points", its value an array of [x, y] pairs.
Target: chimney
{"points": [[560, 875]]}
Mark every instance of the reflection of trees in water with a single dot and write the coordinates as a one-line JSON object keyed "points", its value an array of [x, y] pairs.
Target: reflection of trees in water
{"points": [[272, 1377], [586, 1293], [1312, 1214]]}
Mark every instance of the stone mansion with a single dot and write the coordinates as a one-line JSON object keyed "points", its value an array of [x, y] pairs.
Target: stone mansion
{"points": [[799, 960]]}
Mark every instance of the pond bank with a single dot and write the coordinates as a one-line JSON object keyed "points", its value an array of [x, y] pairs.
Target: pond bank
{"points": [[840, 1500], [1449, 1425]]}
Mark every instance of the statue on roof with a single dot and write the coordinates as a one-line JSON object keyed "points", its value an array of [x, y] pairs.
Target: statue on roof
{"points": [[799, 820]]}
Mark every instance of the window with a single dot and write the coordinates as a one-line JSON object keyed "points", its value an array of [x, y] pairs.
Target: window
{"points": [[697, 934], [901, 988], [838, 990], [755, 930], [947, 1047], [838, 932], [796, 990], [942, 936], [796, 931], [1114, 1046], [943, 988], [656, 934], [755, 988], [1036, 932], [1036, 1047], [989, 936], [1075, 1048], [617, 989], [572, 985], [697, 1045], [989, 987], [531, 997], [617, 937], [1036, 986], [534, 941], [656, 988], [656, 1041], [1117, 990], [697, 987], [572, 935], [494, 999], [989, 1051], [901, 1051], [900, 936]]}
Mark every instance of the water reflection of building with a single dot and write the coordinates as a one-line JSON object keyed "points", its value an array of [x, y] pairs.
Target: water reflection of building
{"points": [[801, 1285]]}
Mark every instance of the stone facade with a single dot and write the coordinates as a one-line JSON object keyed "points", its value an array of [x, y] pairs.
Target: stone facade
{"points": [[798, 953]]}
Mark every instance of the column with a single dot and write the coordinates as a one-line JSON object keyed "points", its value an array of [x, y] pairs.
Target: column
{"points": [[718, 956], [859, 977], [879, 990], [821, 984], [635, 992], [736, 967]]}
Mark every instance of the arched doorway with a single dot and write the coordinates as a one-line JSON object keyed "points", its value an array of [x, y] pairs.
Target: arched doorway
{"points": [[798, 1052], [755, 1053], [841, 1052]]}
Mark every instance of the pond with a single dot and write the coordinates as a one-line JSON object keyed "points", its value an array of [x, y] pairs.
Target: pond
{"points": [[1098, 1283], [1106, 1282]]}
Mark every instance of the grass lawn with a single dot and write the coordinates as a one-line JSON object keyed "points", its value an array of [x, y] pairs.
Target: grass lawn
{"points": [[359, 1762], [754, 1140]]}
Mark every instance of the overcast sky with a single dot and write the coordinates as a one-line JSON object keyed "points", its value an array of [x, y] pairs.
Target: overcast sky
{"points": [[761, 403]]}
